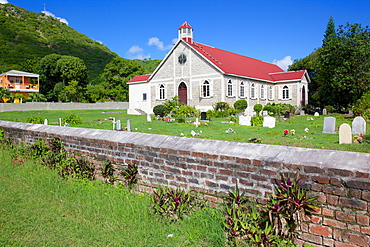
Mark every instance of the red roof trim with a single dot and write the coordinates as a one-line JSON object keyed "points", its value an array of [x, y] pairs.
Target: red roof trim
{"points": [[185, 25], [139, 78]]}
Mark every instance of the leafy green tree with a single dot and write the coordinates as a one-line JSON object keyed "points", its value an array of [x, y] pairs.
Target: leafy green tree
{"points": [[4, 94], [71, 68], [344, 65], [36, 97], [72, 93], [49, 74]]}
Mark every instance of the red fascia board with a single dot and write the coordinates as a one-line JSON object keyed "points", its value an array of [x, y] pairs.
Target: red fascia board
{"points": [[139, 78]]}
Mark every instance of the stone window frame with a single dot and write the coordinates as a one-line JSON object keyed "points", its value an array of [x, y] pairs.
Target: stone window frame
{"points": [[253, 91], [242, 90], [262, 92], [205, 89], [271, 93], [161, 92], [230, 90], [285, 93]]}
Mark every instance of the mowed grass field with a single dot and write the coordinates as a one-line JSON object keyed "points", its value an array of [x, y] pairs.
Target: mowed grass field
{"points": [[218, 128], [39, 208]]}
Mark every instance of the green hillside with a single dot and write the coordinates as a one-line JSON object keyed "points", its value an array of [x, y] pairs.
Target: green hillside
{"points": [[26, 36]]}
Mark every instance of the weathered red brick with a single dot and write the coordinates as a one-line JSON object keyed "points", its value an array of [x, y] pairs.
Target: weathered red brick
{"points": [[362, 185], [352, 203], [354, 193], [320, 230], [311, 238], [365, 196], [362, 175], [365, 230], [354, 228], [243, 161], [315, 219], [292, 167], [355, 238], [256, 162], [327, 212], [342, 216], [362, 220], [259, 178], [320, 179], [212, 156], [333, 200], [313, 169], [339, 191], [328, 242], [337, 234], [340, 244], [197, 154]]}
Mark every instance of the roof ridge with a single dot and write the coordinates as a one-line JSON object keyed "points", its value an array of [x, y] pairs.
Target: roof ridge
{"points": [[207, 53]]}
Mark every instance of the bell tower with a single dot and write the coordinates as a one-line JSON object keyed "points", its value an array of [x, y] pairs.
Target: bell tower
{"points": [[186, 32]]}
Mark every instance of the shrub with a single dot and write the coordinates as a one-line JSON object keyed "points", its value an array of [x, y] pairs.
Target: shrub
{"points": [[35, 120], [257, 121], [72, 119], [241, 105], [159, 110], [257, 108], [107, 173], [174, 203], [75, 167], [221, 109], [129, 173], [362, 106], [186, 111]]}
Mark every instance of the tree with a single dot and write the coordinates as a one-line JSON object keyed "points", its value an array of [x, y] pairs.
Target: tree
{"points": [[72, 68], [72, 93], [49, 75], [36, 97], [4, 94], [344, 65]]}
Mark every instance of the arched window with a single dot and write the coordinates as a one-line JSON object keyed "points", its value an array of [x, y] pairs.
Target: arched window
{"points": [[271, 93], [262, 91], [205, 89], [242, 90], [229, 88], [253, 91], [161, 92], [285, 92]]}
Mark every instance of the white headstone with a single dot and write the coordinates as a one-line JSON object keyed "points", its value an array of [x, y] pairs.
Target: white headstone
{"points": [[316, 114], [118, 125], [245, 120], [248, 111], [59, 121], [269, 122], [148, 118], [46, 122], [345, 136], [129, 125], [329, 125], [301, 113], [359, 126], [324, 112], [265, 113]]}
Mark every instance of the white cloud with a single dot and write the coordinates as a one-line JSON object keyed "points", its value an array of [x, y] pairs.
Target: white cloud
{"points": [[159, 44], [136, 52], [99, 41], [48, 13], [284, 63], [135, 49], [3, 1]]}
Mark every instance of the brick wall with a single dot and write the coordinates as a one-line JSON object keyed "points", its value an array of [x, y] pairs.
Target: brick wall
{"points": [[340, 179]]}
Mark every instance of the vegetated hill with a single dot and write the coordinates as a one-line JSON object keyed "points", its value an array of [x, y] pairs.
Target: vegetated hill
{"points": [[148, 65], [26, 35]]}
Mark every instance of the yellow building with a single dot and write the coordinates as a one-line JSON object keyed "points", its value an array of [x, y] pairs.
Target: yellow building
{"points": [[19, 82]]}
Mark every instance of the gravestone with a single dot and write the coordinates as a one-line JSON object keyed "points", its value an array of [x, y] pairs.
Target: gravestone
{"points": [[248, 111], [345, 135], [324, 112], [359, 126], [329, 125], [245, 120], [286, 114], [316, 114], [203, 116], [45, 122], [301, 113], [265, 113], [269, 122], [148, 118], [118, 125], [129, 125], [59, 121]]}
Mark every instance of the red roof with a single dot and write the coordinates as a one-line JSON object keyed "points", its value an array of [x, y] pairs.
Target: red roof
{"points": [[232, 63], [139, 78], [287, 76], [185, 25]]}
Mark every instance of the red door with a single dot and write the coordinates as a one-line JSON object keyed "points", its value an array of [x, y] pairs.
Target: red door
{"points": [[303, 96], [183, 93]]}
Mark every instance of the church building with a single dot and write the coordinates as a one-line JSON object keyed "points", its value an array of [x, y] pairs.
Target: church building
{"points": [[202, 75]]}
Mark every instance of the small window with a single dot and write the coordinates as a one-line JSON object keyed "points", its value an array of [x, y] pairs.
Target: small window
{"points": [[229, 88], [253, 91], [242, 90], [144, 96], [262, 92], [271, 93], [161, 92], [205, 89], [285, 92]]}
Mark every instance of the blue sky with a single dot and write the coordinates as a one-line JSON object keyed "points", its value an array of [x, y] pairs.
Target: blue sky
{"points": [[272, 31]]}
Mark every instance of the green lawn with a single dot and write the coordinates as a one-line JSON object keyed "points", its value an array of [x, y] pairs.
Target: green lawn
{"points": [[39, 208], [214, 129]]}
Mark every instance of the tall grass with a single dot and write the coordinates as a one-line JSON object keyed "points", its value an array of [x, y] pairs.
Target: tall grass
{"points": [[216, 129], [39, 208]]}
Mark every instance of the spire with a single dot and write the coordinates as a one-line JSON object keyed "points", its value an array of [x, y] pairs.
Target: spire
{"points": [[186, 32]]}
